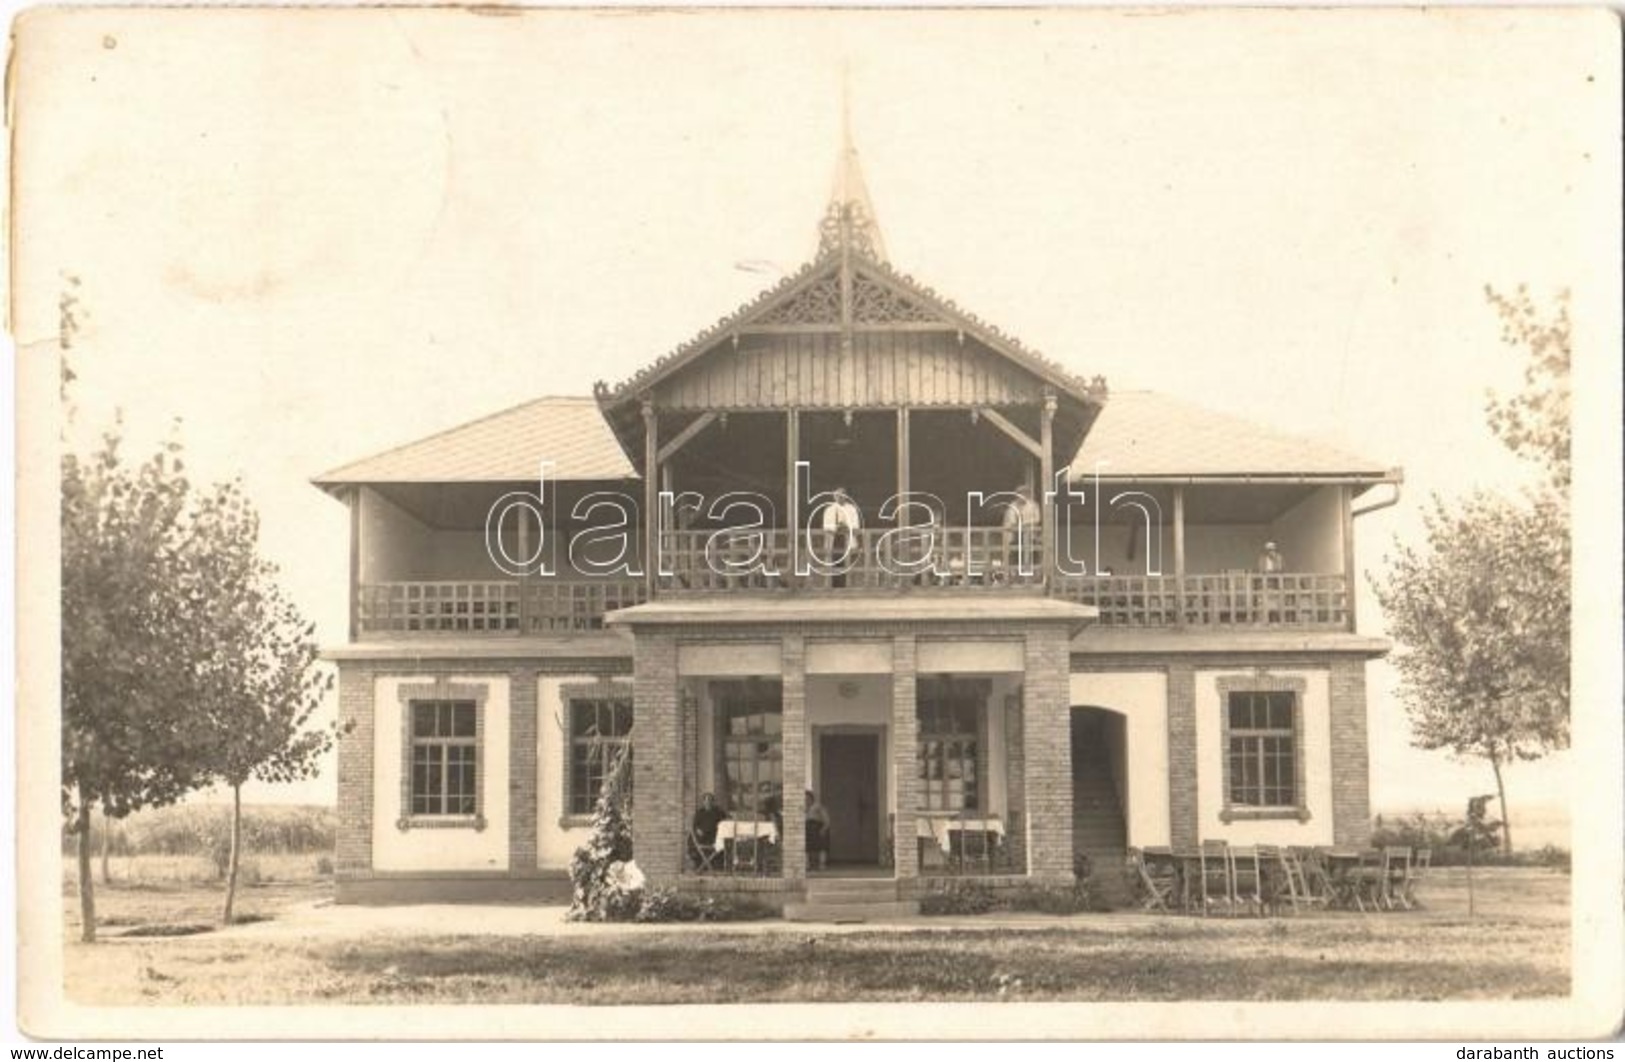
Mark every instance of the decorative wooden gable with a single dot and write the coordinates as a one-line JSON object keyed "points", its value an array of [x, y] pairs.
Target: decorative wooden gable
{"points": [[849, 333]]}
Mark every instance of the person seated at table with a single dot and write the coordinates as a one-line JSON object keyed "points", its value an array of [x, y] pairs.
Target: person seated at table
{"points": [[817, 833], [704, 827]]}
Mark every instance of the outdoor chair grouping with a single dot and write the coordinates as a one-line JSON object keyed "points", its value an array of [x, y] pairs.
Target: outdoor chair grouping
{"points": [[1220, 878]]}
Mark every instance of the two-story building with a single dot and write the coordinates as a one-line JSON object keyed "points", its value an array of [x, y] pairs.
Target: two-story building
{"points": [[1159, 648]]}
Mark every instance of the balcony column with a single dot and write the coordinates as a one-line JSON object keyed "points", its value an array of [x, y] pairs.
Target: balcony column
{"points": [[792, 499], [905, 768], [1346, 505], [353, 497], [1179, 555], [1046, 485], [793, 675], [526, 568], [903, 459], [651, 494]]}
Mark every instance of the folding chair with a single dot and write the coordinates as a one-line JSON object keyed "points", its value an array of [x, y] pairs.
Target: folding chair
{"points": [[703, 856], [1396, 876], [1369, 881], [1421, 863], [1156, 888], [1247, 878], [745, 854], [975, 850], [1276, 882], [1297, 880], [1320, 887], [1216, 863]]}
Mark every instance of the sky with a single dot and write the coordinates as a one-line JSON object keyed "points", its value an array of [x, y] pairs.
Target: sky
{"points": [[308, 236]]}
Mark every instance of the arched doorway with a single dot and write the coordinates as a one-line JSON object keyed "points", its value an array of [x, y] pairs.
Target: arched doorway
{"points": [[1100, 795]]}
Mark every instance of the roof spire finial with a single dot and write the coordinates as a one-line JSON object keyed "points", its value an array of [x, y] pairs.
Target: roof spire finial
{"points": [[849, 219]]}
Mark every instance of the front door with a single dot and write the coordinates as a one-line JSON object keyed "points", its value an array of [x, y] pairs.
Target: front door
{"points": [[849, 786]]}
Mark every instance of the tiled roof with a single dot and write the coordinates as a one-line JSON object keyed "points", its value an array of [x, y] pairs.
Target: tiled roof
{"points": [[509, 446], [1143, 434], [1138, 434]]}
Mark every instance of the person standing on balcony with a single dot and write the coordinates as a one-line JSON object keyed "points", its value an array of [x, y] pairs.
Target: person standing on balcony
{"points": [[1022, 520], [842, 521], [1268, 602]]}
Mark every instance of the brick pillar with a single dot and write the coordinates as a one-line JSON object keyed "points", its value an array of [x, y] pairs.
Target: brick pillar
{"points": [[1015, 775], [522, 751], [690, 722], [905, 736], [353, 850], [1047, 735], [1182, 830], [793, 669], [1351, 765], [657, 812]]}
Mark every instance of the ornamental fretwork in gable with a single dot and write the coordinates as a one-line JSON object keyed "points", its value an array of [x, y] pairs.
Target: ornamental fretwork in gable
{"points": [[874, 304], [819, 303]]}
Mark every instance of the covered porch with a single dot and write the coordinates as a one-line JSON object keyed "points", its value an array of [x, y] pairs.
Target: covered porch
{"points": [[821, 741]]}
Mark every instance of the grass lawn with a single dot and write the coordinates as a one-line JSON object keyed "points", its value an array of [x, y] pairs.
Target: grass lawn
{"points": [[151, 890], [1516, 947]]}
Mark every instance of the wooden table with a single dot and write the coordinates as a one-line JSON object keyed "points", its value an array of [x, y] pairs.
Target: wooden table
{"points": [[730, 832]]}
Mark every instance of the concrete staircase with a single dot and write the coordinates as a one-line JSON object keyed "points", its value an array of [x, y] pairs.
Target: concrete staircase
{"points": [[1098, 830], [850, 900]]}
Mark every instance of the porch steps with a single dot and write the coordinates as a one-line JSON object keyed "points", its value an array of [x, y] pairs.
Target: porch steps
{"points": [[850, 900], [1098, 830]]}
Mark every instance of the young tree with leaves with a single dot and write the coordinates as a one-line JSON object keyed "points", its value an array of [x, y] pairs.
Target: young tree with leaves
{"points": [[261, 681], [1482, 612], [131, 652]]}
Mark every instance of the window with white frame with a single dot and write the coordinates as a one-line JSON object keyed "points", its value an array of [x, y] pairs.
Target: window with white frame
{"points": [[444, 776], [442, 754], [1263, 748], [951, 714], [750, 746], [600, 731]]}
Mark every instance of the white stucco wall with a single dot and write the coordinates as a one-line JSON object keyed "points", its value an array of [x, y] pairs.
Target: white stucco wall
{"points": [[740, 660], [439, 848], [392, 544], [1317, 765], [1141, 697], [555, 842], [1310, 534]]}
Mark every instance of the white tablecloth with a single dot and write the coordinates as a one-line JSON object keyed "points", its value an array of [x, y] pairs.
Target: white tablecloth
{"points": [[734, 830], [942, 830]]}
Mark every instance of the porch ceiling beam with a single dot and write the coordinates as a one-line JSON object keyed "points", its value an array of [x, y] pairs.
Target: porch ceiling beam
{"points": [[684, 437], [1021, 438]]}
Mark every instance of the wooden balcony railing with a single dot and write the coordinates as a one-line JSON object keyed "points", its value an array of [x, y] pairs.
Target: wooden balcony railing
{"points": [[962, 557], [1303, 601], [1231, 599], [541, 606]]}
